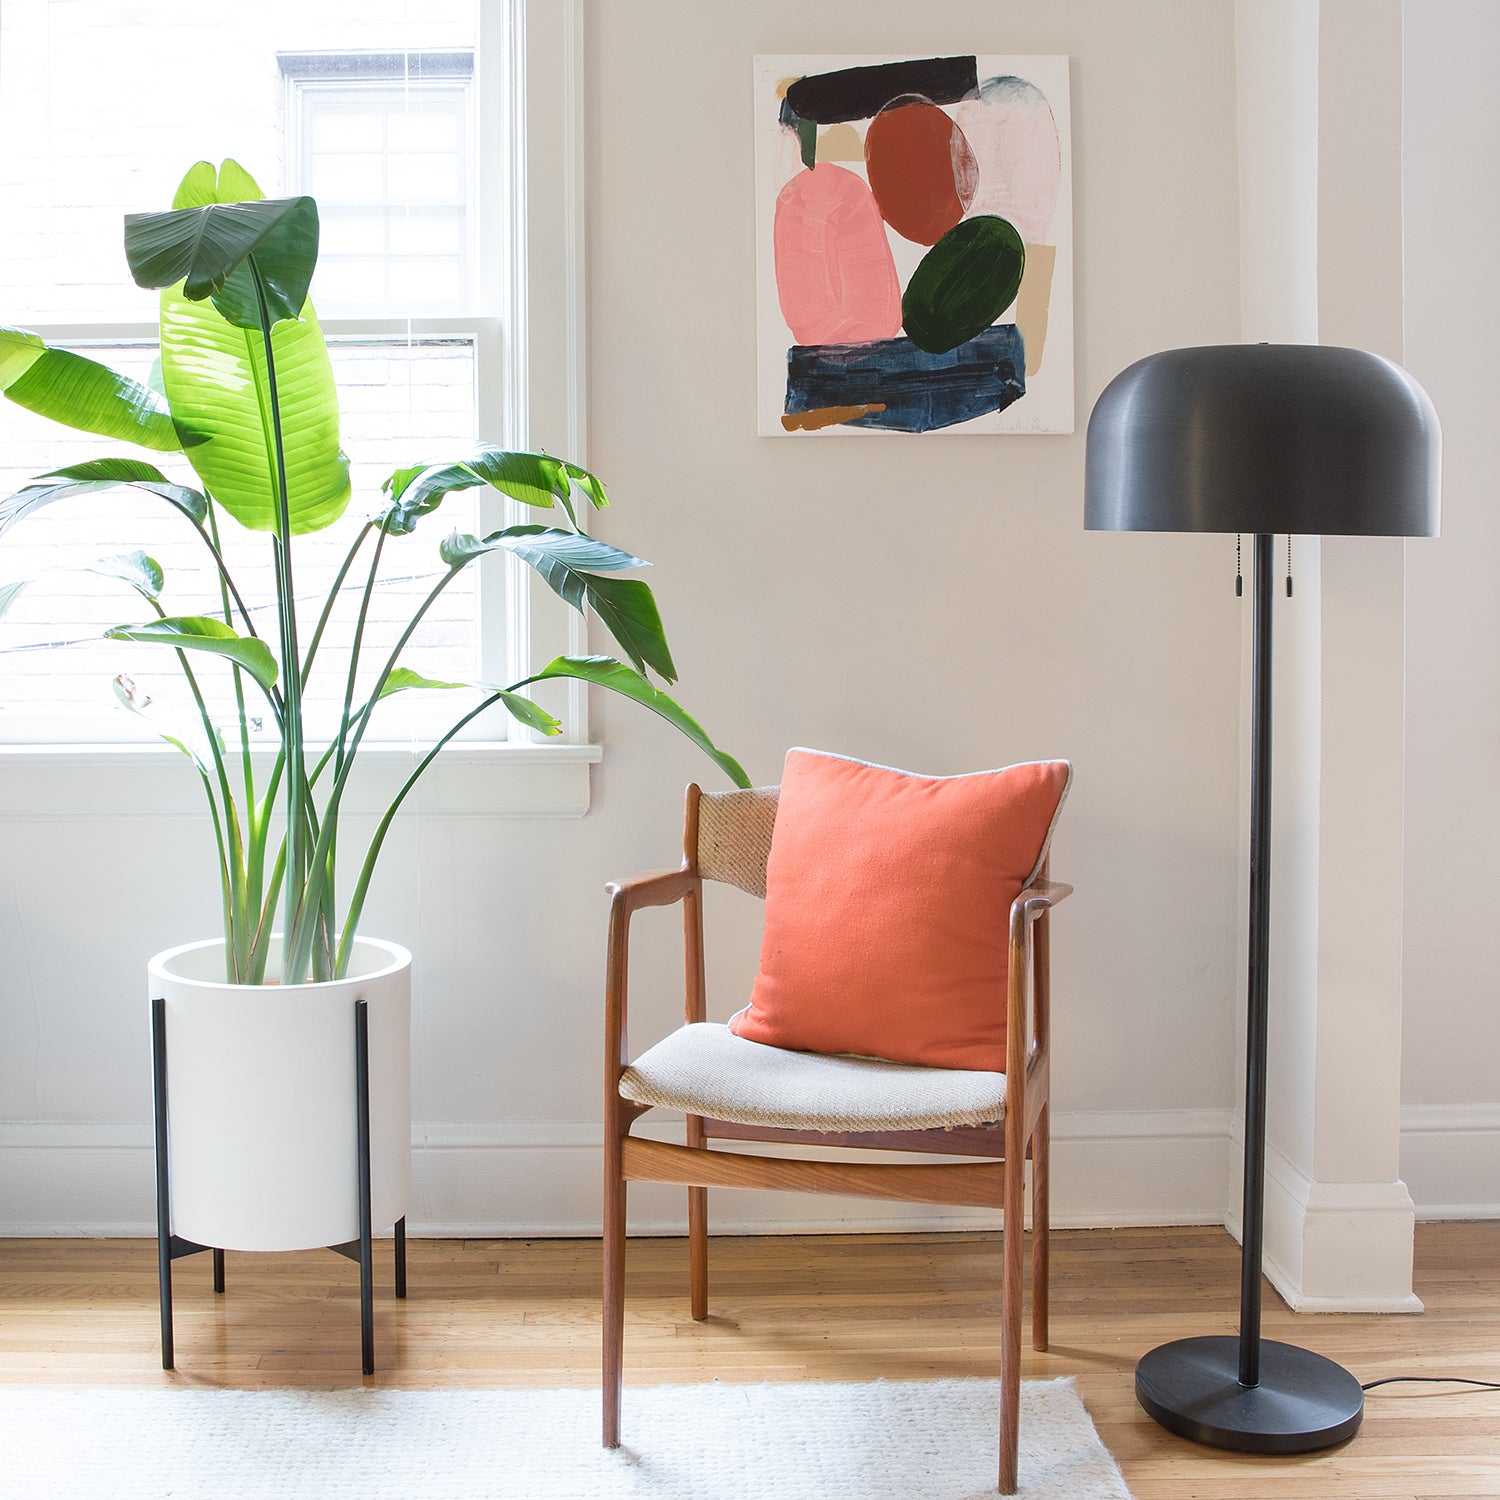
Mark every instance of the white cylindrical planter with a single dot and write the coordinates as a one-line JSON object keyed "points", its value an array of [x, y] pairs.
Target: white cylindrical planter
{"points": [[261, 1104]]}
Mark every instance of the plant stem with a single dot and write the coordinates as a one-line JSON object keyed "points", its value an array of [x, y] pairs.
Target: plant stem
{"points": [[367, 869], [291, 659]]}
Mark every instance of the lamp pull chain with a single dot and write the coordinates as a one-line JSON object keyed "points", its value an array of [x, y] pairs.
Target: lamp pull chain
{"points": [[1239, 581], [1289, 566]]}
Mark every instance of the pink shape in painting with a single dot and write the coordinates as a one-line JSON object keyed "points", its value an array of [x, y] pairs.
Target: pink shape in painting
{"points": [[1012, 132], [835, 275]]}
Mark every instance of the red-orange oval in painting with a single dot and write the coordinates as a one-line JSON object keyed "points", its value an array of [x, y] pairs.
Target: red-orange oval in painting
{"points": [[921, 169], [835, 276]]}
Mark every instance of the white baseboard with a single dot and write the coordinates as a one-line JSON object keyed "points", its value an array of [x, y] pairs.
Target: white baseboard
{"points": [[1335, 1247], [517, 1179], [1450, 1159]]}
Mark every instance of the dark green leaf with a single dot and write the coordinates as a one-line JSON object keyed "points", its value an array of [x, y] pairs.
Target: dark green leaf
{"points": [[201, 633], [94, 476], [82, 394], [606, 672], [628, 609], [529, 713], [210, 250], [562, 558], [417, 490]]}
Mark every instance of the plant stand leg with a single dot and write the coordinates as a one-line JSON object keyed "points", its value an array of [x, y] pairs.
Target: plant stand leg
{"points": [[218, 1271], [163, 1186], [366, 1238], [401, 1256]]}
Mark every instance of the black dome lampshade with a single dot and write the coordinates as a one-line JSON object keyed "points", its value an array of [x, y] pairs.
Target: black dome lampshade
{"points": [[1276, 438], [1265, 439]]}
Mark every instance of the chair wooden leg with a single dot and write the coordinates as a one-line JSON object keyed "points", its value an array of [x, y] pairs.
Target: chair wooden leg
{"points": [[697, 1231], [1040, 1250], [614, 1288], [1012, 1269], [698, 1251]]}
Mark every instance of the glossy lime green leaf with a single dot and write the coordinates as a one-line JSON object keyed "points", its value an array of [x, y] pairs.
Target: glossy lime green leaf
{"points": [[19, 350], [93, 477], [217, 383], [81, 393], [590, 484], [211, 250], [402, 678], [201, 633], [606, 672], [532, 478]]}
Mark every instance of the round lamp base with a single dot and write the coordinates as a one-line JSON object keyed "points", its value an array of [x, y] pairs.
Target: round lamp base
{"points": [[1303, 1402]]}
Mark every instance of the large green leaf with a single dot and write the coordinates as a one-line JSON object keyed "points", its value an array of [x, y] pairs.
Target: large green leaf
{"points": [[94, 476], [216, 381], [142, 573], [567, 562], [403, 678], [606, 672], [211, 248], [532, 478], [201, 633], [19, 350], [81, 393]]}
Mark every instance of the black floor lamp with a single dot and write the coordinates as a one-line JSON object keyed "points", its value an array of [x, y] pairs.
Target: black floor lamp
{"points": [[1261, 439]]}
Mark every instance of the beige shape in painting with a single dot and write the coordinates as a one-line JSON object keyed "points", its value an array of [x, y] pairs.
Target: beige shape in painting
{"points": [[841, 143], [1032, 301]]}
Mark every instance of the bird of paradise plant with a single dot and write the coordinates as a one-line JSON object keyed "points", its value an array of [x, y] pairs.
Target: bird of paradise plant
{"points": [[249, 400]]}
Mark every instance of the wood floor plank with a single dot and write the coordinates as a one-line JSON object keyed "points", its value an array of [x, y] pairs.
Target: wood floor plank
{"points": [[526, 1312]]}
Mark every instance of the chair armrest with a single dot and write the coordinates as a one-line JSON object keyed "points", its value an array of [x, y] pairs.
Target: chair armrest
{"points": [[659, 888], [1039, 896]]}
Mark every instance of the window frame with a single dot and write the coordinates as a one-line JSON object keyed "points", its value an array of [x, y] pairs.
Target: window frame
{"points": [[530, 350]]}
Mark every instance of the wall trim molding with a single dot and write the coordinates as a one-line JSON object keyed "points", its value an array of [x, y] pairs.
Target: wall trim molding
{"points": [[1450, 1158], [1112, 1168], [527, 1178], [1335, 1246]]}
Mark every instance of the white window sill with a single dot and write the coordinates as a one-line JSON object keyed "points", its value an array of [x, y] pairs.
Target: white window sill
{"points": [[469, 779]]}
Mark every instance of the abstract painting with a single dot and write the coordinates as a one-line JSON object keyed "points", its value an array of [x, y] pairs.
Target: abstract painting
{"points": [[914, 245]]}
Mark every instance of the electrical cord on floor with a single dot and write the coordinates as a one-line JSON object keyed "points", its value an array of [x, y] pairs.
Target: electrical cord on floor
{"points": [[1488, 1385]]}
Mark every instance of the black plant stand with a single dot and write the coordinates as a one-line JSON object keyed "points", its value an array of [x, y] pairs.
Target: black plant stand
{"points": [[170, 1247]]}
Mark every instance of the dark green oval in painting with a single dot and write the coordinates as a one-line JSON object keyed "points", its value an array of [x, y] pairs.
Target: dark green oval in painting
{"points": [[963, 284]]}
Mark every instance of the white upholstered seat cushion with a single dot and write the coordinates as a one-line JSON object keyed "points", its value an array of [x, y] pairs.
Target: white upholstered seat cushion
{"points": [[705, 1069]]}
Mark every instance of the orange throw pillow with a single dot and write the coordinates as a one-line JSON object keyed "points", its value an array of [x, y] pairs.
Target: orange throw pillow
{"points": [[887, 908]]}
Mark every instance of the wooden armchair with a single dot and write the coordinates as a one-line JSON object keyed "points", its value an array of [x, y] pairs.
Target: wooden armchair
{"points": [[730, 1088]]}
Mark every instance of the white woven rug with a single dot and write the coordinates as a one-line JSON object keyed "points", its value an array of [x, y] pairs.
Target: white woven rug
{"points": [[916, 1440]]}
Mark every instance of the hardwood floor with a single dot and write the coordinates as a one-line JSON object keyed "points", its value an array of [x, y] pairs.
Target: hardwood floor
{"points": [[512, 1312]]}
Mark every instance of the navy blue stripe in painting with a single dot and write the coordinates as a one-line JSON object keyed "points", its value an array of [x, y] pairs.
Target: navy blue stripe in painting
{"points": [[858, 93], [921, 392]]}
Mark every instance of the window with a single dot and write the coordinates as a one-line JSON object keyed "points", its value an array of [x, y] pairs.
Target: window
{"points": [[391, 115]]}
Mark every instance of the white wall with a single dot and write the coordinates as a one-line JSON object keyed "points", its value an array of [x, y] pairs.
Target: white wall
{"points": [[931, 603], [1451, 1085]]}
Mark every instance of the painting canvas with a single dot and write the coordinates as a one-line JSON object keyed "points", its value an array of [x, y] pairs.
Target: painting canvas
{"points": [[914, 245]]}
